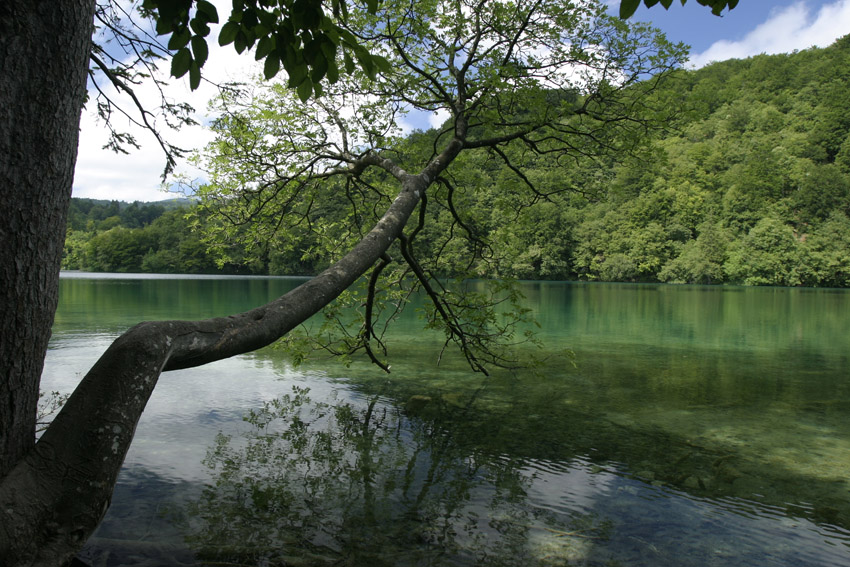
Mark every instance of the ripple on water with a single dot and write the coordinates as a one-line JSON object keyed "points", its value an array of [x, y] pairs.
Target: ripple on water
{"points": [[627, 520]]}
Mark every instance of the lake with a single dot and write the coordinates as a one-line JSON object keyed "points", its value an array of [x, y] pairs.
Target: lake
{"points": [[690, 426]]}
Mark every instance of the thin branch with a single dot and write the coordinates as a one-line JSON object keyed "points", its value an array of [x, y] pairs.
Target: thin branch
{"points": [[368, 333], [171, 152]]}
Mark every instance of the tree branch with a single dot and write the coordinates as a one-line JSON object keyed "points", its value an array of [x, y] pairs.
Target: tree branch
{"points": [[171, 152]]}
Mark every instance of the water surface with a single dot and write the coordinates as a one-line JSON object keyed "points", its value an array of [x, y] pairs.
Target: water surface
{"points": [[694, 426]]}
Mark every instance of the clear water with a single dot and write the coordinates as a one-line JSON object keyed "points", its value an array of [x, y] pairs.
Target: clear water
{"points": [[697, 426]]}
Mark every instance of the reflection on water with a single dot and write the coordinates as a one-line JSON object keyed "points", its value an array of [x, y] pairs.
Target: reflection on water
{"points": [[699, 426]]}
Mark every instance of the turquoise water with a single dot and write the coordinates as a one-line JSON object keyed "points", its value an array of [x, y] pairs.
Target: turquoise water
{"points": [[692, 426]]}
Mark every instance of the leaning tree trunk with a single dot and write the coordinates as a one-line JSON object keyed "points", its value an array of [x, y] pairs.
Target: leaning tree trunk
{"points": [[44, 51], [54, 498]]}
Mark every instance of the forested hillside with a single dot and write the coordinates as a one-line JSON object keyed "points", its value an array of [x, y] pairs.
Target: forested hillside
{"points": [[113, 236], [750, 186], [753, 188]]}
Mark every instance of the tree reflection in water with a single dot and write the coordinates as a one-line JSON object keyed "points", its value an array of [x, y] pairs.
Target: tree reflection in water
{"points": [[313, 483]]}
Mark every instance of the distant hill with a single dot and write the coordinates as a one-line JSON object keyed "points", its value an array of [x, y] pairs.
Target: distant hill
{"points": [[102, 214], [158, 237], [170, 203], [751, 185]]}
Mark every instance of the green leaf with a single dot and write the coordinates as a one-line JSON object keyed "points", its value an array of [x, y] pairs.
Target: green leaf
{"points": [[349, 63], [348, 37], [179, 39], [181, 62], [366, 61], [200, 50], [628, 7], [194, 75], [163, 25], [297, 70], [718, 5], [228, 33], [265, 46], [333, 72], [208, 10], [320, 67], [311, 49], [331, 31], [200, 27], [382, 63], [305, 89], [339, 9], [271, 66], [329, 49], [240, 43], [267, 20], [313, 15], [283, 36]]}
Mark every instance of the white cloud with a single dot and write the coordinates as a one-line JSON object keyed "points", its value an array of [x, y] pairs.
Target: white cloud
{"points": [[103, 174], [437, 119], [792, 28]]}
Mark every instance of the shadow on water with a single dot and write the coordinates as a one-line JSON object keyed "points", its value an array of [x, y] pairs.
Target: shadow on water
{"points": [[138, 530], [716, 490]]}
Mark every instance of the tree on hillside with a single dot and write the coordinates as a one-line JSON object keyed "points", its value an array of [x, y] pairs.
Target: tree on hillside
{"points": [[515, 78]]}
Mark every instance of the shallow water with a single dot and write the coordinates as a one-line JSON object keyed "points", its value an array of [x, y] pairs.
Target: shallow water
{"points": [[695, 426]]}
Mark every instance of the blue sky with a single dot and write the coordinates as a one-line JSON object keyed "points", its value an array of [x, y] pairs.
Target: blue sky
{"points": [[753, 27], [694, 24]]}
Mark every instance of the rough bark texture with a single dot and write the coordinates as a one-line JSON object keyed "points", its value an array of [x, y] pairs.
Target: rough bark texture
{"points": [[44, 48]]}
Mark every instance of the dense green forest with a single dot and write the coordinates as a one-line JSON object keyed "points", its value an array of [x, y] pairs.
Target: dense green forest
{"points": [[750, 186], [113, 236]]}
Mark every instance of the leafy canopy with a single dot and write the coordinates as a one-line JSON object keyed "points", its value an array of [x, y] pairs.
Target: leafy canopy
{"points": [[297, 36], [628, 7], [513, 82]]}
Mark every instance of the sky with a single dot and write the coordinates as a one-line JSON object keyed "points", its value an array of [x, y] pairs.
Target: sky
{"points": [[753, 27]]}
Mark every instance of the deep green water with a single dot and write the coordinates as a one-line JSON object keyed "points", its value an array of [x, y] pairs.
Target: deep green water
{"points": [[695, 426]]}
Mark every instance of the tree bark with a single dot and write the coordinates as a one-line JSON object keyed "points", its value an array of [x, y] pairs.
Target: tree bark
{"points": [[44, 50]]}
